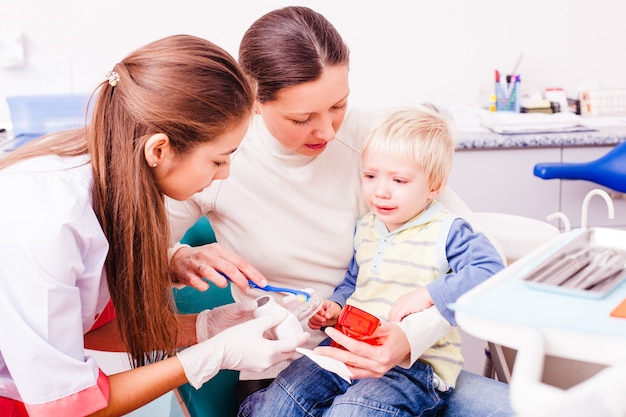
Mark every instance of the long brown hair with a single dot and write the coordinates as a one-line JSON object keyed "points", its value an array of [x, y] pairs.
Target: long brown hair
{"points": [[289, 46], [189, 89]]}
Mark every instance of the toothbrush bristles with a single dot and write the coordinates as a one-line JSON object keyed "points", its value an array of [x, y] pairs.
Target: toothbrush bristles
{"points": [[303, 298]]}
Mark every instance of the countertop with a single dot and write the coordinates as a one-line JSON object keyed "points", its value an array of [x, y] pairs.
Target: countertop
{"points": [[548, 130]]}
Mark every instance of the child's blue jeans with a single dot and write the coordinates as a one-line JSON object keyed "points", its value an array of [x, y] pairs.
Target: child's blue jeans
{"points": [[305, 389]]}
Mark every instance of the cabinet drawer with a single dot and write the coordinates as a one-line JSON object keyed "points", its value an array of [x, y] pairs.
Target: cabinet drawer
{"points": [[502, 180]]}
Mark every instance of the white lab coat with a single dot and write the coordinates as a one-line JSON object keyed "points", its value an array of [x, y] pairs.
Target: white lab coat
{"points": [[52, 284]]}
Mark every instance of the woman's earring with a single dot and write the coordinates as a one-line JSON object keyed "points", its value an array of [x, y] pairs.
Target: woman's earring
{"points": [[256, 110], [155, 164]]}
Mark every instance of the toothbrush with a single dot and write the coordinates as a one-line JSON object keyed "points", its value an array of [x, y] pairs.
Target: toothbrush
{"points": [[301, 296]]}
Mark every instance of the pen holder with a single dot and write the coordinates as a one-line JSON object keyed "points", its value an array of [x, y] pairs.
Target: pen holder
{"points": [[507, 96]]}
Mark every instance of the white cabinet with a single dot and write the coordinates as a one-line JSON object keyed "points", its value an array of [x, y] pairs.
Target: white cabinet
{"points": [[502, 180]]}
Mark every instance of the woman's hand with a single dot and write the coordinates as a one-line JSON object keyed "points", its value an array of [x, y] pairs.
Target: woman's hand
{"points": [[242, 347], [213, 262], [365, 360], [211, 322]]}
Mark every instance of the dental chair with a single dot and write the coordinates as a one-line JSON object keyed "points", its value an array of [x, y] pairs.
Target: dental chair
{"points": [[513, 236], [216, 398], [608, 170]]}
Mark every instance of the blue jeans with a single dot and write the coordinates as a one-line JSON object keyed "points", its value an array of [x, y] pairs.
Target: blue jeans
{"points": [[305, 389], [478, 396]]}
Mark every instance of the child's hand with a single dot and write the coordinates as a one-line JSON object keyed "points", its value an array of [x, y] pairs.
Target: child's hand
{"points": [[326, 316], [412, 302]]}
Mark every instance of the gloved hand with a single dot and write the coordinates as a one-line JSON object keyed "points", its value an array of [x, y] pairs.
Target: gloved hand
{"points": [[241, 347], [211, 322]]}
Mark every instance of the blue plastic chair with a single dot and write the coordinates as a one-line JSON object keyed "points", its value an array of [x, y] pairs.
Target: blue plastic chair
{"points": [[33, 116], [608, 171], [216, 398]]}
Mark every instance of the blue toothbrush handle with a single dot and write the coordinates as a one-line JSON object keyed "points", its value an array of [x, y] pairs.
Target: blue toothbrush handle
{"points": [[270, 288], [254, 285]]}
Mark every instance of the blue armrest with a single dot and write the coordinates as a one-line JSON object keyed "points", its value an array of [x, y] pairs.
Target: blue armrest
{"points": [[609, 170]]}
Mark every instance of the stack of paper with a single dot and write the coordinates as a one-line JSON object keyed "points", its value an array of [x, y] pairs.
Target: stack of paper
{"points": [[509, 123]]}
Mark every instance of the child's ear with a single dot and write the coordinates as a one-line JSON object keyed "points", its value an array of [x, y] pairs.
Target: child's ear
{"points": [[434, 192]]}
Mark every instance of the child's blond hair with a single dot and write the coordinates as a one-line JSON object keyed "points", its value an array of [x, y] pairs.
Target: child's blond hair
{"points": [[419, 136]]}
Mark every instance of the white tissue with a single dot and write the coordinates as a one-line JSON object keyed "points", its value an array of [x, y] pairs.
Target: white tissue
{"points": [[330, 364]]}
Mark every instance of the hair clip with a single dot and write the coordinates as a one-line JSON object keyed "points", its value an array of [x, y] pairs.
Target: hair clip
{"points": [[113, 78]]}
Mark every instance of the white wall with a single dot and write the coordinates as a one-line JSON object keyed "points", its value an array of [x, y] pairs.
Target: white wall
{"points": [[403, 51]]}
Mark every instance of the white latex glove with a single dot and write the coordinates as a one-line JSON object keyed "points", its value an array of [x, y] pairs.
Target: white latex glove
{"points": [[211, 322], [241, 347]]}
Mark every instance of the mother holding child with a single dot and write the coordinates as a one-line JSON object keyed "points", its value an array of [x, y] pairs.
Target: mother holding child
{"points": [[287, 213]]}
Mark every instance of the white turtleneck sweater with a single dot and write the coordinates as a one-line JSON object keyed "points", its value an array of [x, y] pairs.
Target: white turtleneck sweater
{"points": [[293, 217]]}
